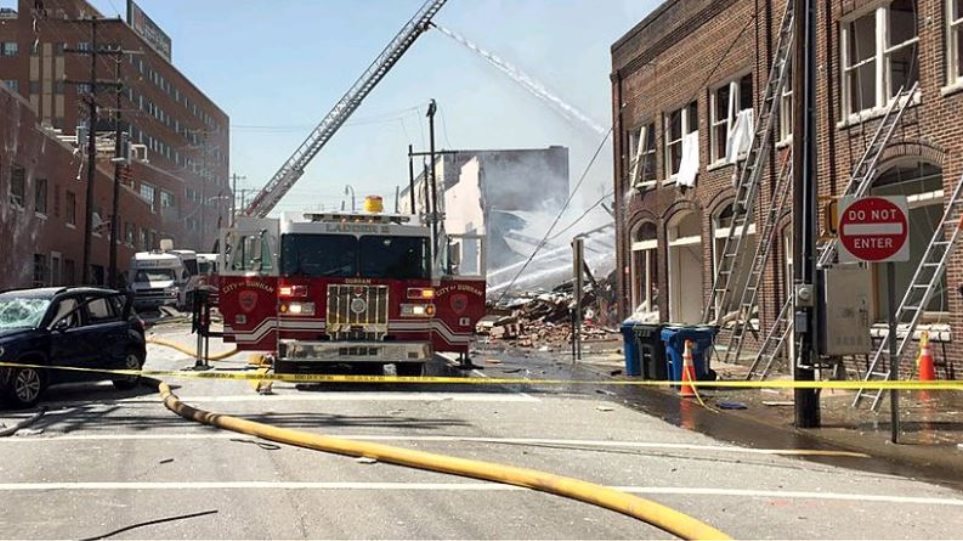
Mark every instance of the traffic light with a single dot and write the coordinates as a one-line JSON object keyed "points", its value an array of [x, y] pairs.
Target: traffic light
{"points": [[831, 216]]}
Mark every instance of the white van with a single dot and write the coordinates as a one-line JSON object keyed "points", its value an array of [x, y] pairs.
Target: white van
{"points": [[157, 279]]}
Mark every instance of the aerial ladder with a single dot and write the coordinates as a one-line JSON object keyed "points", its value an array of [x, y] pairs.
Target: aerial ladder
{"points": [[292, 170], [747, 186]]}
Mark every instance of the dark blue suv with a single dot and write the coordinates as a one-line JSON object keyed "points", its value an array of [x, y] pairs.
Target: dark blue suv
{"points": [[76, 326]]}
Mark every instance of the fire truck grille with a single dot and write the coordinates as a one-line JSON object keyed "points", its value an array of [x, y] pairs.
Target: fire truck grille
{"points": [[357, 312]]}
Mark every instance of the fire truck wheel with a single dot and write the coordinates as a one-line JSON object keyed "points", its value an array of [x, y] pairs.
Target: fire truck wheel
{"points": [[410, 369]]}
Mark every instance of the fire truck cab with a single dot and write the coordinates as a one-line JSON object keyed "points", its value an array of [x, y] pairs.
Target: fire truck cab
{"points": [[320, 289]]}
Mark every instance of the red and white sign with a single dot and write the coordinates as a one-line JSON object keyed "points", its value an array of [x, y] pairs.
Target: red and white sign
{"points": [[874, 229]]}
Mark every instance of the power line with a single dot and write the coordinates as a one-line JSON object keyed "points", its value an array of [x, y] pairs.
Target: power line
{"points": [[583, 215], [551, 228]]}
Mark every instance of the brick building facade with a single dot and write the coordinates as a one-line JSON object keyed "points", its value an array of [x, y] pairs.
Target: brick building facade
{"points": [[179, 137], [696, 65], [42, 207]]}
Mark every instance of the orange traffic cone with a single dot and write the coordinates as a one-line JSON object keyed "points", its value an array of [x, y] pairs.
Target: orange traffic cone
{"points": [[924, 363], [688, 372]]}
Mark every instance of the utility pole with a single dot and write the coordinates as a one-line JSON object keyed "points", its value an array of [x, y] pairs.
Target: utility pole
{"points": [[411, 180], [234, 178], [432, 109], [119, 164], [91, 148], [93, 84], [805, 324]]}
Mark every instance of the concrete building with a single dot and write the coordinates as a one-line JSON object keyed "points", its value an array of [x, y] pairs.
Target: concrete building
{"points": [[509, 195], [683, 76], [179, 137]]}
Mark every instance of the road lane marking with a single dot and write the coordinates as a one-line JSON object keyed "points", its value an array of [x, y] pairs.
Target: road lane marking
{"points": [[458, 487], [462, 439]]}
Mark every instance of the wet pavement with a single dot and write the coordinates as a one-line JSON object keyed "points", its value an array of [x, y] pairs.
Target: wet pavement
{"points": [[932, 426]]}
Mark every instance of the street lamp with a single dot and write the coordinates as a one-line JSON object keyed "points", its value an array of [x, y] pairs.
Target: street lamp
{"points": [[349, 190]]}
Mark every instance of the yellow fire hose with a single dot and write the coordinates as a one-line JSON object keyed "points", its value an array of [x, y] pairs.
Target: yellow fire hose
{"points": [[174, 345], [647, 511]]}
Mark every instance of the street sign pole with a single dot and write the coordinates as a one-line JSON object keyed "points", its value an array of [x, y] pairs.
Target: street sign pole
{"points": [[893, 370], [876, 230]]}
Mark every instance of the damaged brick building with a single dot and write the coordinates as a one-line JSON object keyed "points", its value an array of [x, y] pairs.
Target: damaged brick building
{"points": [[179, 139], [683, 80]]}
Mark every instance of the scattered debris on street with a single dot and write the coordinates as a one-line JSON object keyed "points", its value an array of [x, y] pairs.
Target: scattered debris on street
{"points": [[543, 319]]}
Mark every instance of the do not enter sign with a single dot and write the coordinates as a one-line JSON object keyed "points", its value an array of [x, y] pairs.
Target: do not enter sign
{"points": [[874, 229]]}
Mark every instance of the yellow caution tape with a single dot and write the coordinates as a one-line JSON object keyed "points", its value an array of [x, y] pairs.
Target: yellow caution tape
{"points": [[910, 385]]}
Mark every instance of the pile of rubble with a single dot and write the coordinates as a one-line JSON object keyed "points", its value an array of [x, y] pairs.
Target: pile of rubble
{"points": [[544, 320]]}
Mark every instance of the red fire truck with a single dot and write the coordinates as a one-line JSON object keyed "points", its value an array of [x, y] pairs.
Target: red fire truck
{"points": [[316, 290]]}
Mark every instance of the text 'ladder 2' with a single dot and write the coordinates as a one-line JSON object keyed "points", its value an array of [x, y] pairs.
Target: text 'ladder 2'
{"points": [[926, 280], [757, 267], [748, 183]]}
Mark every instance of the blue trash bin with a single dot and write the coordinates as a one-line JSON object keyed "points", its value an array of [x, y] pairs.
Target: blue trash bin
{"points": [[702, 338], [633, 362]]}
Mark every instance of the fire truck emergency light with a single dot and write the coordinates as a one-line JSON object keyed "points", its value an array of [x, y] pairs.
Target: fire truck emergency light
{"points": [[374, 204], [421, 293], [293, 291]]}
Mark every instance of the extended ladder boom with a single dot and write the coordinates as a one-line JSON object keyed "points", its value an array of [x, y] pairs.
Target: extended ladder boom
{"points": [[293, 168]]}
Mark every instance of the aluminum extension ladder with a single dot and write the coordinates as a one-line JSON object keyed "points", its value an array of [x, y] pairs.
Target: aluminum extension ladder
{"points": [[748, 183], [779, 335], [865, 171], [918, 294], [768, 238]]}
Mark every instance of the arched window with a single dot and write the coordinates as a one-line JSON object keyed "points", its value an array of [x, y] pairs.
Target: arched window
{"points": [[922, 184], [644, 268], [721, 224], [685, 268]]}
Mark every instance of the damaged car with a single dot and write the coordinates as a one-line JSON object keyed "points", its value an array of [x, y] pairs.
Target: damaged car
{"points": [[82, 329]]}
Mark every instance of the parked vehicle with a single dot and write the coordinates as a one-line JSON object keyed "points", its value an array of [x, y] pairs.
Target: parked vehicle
{"points": [[76, 327], [157, 279]]}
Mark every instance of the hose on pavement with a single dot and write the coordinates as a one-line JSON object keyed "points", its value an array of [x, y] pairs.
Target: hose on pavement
{"points": [[653, 513], [174, 345]]}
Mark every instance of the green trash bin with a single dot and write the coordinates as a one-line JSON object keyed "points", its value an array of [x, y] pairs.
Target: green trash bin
{"points": [[651, 350]]}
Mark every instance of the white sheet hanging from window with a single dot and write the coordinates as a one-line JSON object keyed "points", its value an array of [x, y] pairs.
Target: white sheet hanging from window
{"points": [[740, 137], [689, 167]]}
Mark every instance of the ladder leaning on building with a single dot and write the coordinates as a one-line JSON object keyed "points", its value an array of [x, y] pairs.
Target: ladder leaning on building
{"points": [[861, 179], [747, 186], [920, 290]]}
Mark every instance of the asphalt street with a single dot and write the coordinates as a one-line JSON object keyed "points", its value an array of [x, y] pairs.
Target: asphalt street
{"points": [[108, 461]]}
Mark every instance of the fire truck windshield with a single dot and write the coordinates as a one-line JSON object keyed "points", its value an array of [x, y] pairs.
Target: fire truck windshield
{"points": [[344, 256]]}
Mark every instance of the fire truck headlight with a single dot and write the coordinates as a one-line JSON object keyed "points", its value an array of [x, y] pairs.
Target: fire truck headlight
{"points": [[171, 291], [417, 310], [421, 293], [298, 308]]}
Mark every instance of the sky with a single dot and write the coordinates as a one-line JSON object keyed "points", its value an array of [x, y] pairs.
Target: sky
{"points": [[276, 67]]}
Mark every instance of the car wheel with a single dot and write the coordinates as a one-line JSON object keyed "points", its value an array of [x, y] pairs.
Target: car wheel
{"points": [[25, 386], [133, 360]]}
